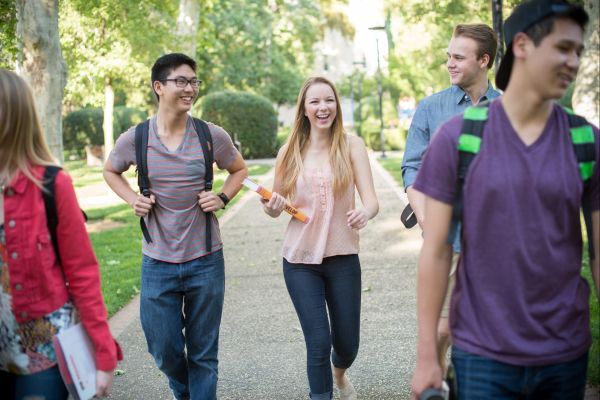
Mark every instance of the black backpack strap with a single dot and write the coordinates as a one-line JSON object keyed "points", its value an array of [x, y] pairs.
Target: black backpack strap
{"points": [[48, 194], [408, 217], [141, 159], [582, 137], [469, 143], [205, 139]]}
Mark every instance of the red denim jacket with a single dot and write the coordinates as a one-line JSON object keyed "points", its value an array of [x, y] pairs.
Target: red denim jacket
{"points": [[39, 284]]}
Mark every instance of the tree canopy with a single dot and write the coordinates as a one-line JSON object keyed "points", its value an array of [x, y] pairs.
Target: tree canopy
{"points": [[8, 30], [421, 31], [112, 42], [263, 46], [266, 47]]}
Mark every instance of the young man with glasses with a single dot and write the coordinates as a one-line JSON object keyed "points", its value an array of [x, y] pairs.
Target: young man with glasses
{"points": [[520, 312], [183, 277]]}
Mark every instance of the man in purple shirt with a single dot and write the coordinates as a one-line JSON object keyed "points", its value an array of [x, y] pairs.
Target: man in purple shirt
{"points": [[519, 316], [183, 276]]}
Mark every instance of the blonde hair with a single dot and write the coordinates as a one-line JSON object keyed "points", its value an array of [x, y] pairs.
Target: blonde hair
{"points": [[339, 153], [22, 143]]}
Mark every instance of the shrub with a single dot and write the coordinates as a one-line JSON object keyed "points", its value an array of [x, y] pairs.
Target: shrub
{"points": [[84, 126], [282, 135], [371, 125], [125, 118], [249, 118], [567, 99]]}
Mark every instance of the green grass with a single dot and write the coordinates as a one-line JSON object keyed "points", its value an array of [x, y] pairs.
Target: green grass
{"points": [[119, 253], [119, 249], [593, 374], [83, 175], [258, 169], [392, 165]]}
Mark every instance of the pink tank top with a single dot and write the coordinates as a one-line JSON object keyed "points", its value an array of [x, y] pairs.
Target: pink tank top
{"points": [[327, 233]]}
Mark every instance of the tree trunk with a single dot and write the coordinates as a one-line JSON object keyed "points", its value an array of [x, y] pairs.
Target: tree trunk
{"points": [[497, 22], [42, 65], [187, 25], [585, 95], [107, 124]]}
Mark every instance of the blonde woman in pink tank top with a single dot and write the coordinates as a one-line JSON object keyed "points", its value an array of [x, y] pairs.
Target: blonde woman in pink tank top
{"points": [[318, 170]]}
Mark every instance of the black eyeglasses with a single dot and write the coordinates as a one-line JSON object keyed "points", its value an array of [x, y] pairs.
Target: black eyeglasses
{"points": [[182, 82]]}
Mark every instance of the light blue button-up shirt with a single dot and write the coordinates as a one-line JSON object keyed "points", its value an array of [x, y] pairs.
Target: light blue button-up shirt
{"points": [[432, 112]]}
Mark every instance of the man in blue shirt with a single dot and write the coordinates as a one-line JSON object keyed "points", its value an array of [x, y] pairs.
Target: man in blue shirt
{"points": [[471, 54]]}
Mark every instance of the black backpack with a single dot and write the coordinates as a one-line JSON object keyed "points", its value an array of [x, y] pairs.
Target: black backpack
{"points": [[141, 157], [49, 194], [469, 143]]}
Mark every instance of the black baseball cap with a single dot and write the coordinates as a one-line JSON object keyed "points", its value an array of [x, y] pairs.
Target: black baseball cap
{"points": [[524, 17]]}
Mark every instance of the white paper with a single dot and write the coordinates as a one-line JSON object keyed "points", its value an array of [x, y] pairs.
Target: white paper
{"points": [[250, 184], [78, 354]]}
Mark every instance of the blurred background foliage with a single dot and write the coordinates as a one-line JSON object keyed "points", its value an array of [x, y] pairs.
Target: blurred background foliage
{"points": [[262, 47]]}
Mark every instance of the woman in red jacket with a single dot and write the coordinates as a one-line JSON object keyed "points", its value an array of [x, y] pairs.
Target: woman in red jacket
{"points": [[36, 302]]}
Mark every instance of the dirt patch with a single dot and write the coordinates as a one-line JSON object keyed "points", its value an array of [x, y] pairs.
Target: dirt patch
{"points": [[100, 226]]}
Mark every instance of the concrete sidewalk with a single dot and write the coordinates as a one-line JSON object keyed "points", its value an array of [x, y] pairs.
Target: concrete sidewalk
{"points": [[262, 353], [262, 348]]}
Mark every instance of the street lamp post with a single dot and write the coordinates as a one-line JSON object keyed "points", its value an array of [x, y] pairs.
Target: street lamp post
{"points": [[497, 23], [364, 65], [360, 120], [352, 98], [380, 92]]}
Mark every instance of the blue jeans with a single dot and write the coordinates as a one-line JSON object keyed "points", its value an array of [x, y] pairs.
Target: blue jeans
{"points": [[184, 297], [45, 385], [333, 285], [480, 377]]}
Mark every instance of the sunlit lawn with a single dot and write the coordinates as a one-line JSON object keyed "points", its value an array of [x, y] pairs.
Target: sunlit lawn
{"points": [[119, 249], [392, 165], [594, 362], [83, 175]]}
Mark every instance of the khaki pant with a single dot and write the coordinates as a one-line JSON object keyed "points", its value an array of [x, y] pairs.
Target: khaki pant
{"points": [[451, 280]]}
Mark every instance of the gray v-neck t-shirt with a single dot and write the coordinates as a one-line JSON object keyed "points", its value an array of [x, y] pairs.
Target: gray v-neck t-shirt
{"points": [[176, 222]]}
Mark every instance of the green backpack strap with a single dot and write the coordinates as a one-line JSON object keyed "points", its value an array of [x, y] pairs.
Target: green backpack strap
{"points": [[582, 137], [469, 143]]}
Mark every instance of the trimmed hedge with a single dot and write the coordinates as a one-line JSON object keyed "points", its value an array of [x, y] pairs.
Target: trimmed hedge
{"points": [[567, 99], [125, 118], [247, 117], [84, 126]]}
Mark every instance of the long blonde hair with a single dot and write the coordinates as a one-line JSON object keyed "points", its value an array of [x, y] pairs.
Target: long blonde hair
{"points": [[339, 153], [22, 143]]}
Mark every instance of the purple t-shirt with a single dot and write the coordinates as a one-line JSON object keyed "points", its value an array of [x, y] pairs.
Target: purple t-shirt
{"points": [[176, 224], [519, 296]]}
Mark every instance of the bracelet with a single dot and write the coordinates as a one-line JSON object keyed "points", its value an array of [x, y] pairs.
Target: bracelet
{"points": [[223, 198]]}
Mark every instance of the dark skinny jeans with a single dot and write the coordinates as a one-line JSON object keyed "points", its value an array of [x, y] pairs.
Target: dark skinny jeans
{"points": [[334, 286]]}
